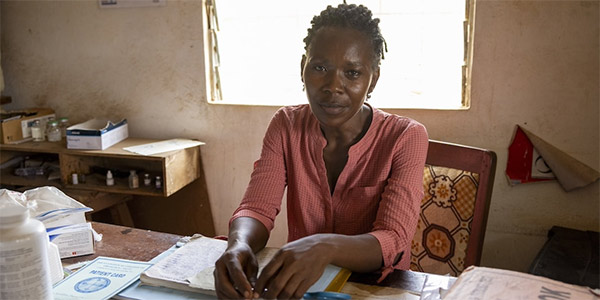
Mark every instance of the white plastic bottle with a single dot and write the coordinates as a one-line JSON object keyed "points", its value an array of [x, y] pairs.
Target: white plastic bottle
{"points": [[110, 181], [23, 256]]}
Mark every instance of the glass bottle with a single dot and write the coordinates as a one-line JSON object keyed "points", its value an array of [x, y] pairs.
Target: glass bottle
{"points": [[158, 182], [134, 181], [53, 132], [37, 132], [64, 123], [147, 180]]}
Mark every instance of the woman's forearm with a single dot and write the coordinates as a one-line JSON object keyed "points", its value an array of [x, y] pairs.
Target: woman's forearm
{"points": [[249, 231], [358, 253]]}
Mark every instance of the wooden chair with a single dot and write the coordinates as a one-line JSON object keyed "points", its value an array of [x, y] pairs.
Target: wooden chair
{"points": [[458, 182]]}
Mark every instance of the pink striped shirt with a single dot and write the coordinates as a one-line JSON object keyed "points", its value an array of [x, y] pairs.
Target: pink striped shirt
{"points": [[378, 192]]}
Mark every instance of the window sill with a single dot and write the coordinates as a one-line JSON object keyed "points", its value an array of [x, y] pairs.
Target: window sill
{"points": [[373, 103]]}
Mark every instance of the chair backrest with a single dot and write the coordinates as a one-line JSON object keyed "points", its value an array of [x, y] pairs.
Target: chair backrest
{"points": [[458, 182]]}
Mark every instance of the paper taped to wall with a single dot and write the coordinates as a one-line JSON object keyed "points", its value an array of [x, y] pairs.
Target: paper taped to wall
{"points": [[532, 159]]}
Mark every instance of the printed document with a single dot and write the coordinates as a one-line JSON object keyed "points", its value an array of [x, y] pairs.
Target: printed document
{"points": [[100, 279]]}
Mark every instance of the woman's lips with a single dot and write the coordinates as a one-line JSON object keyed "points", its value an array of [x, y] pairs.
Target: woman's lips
{"points": [[332, 109]]}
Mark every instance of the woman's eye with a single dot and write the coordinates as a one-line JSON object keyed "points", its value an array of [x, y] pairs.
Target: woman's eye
{"points": [[320, 68], [353, 73]]}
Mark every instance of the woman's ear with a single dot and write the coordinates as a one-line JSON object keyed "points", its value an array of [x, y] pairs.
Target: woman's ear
{"points": [[374, 79], [302, 62]]}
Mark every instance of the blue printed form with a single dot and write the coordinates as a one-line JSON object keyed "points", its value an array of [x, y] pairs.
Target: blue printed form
{"points": [[102, 278]]}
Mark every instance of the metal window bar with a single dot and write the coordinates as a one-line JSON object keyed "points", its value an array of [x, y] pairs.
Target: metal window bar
{"points": [[215, 60], [468, 51]]}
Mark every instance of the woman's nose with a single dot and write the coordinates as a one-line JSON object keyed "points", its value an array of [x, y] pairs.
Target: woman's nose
{"points": [[334, 83]]}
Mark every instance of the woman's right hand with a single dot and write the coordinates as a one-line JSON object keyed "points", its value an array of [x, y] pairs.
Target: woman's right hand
{"points": [[235, 272]]}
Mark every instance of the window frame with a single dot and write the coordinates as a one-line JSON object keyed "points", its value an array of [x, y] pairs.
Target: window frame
{"points": [[213, 89]]}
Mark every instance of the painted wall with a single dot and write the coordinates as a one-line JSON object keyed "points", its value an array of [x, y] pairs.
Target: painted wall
{"points": [[535, 64]]}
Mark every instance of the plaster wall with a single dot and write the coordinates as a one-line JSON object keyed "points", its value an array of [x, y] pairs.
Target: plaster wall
{"points": [[536, 64]]}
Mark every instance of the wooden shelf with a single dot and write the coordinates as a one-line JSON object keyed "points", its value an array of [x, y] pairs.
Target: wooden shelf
{"points": [[8, 178], [176, 168]]}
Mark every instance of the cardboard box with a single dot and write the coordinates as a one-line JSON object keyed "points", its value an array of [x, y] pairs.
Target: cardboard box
{"points": [[73, 240], [16, 125], [96, 134]]}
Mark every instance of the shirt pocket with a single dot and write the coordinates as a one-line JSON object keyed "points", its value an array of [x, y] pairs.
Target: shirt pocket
{"points": [[357, 210]]}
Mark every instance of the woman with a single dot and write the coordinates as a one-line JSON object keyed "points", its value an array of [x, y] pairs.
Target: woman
{"points": [[353, 173]]}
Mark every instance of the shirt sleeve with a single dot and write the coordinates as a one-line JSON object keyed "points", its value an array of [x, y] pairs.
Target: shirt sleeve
{"points": [[398, 212], [262, 200]]}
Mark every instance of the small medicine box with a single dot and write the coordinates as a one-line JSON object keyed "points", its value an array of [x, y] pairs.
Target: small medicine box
{"points": [[96, 134], [16, 125], [73, 240]]}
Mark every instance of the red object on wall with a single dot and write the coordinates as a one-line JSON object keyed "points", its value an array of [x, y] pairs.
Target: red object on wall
{"points": [[520, 157]]}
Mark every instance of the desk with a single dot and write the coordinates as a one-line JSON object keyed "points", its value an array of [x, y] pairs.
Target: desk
{"points": [[128, 243], [143, 245]]}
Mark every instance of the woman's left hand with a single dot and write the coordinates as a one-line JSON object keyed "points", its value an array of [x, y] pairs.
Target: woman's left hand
{"points": [[294, 269]]}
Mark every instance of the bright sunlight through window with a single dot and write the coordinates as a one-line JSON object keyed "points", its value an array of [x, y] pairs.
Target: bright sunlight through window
{"points": [[260, 47]]}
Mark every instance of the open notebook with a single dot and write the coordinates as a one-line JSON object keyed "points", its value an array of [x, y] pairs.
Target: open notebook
{"points": [[190, 268]]}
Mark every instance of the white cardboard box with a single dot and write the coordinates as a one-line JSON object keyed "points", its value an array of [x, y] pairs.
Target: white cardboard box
{"points": [[96, 134], [73, 240]]}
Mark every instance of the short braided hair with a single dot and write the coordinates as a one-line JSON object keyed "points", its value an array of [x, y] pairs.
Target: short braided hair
{"points": [[354, 17]]}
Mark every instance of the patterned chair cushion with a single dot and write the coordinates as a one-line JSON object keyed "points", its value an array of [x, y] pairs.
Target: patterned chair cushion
{"points": [[442, 235]]}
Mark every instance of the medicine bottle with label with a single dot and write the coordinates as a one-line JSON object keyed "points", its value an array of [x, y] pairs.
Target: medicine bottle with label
{"points": [[37, 131], [147, 180], [23, 256], [134, 180], [158, 182]]}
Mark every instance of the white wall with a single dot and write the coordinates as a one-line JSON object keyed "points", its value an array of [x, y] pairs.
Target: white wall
{"points": [[535, 64]]}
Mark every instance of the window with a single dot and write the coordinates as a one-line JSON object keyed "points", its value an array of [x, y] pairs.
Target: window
{"points": [[255, 47]]}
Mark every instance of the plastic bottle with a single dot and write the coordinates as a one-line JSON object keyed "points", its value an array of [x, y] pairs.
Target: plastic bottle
{"points": [[134, 180], [110, 181], [64, 123], [37, 132], [53, 132], [23, 256]]}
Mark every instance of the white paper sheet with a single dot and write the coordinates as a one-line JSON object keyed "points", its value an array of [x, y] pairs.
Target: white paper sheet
{"points": [[490, 283], [163, 146]]}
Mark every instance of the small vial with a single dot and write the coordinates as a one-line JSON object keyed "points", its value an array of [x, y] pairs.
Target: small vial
{"points": [[158, 182], [53, 132], [134, 181], [64, 123], [74, 178], [37, 132], [147, 180], [110, 181]]}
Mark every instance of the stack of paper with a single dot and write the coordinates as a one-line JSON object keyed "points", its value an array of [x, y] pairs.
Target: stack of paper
{"points": [[489, 283]]}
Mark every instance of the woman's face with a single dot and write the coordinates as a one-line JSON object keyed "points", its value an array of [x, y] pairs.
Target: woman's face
{"points": [[338, 73]]}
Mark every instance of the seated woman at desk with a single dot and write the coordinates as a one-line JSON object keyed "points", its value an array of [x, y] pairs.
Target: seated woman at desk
{"points": [[353, 173]]}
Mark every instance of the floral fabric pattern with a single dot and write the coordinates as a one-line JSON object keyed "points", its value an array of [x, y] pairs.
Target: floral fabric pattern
{"points": [[440, 242]]}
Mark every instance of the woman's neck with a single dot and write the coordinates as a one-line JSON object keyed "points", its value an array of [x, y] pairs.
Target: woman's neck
{"points": [[351, 132]]}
